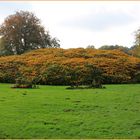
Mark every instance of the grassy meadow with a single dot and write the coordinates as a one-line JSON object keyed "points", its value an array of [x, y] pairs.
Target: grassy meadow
{"points": [[55, 112]]}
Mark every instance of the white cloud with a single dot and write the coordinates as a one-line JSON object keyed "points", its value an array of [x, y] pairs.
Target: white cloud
{"points": [[63, 20]]}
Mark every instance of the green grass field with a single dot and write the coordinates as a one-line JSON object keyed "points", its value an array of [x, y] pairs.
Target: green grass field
{"points": [[55, 112]]}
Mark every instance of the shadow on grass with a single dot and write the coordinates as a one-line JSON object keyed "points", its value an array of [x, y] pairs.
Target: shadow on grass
{"points": [[84, 87]]}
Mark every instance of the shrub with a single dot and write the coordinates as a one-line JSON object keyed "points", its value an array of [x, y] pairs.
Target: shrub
{"points": [[67, 67], [136, 78], [23, 83]]}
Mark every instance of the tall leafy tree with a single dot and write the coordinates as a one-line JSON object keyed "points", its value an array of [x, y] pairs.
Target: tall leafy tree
{"points": [[23, 31], [136, 47]]}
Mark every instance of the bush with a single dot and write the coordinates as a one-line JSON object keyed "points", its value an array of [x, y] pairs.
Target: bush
{"points": [[136, 78], [68, 67], [23, 83]]}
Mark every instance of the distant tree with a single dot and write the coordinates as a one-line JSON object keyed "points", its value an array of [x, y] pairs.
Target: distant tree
{"points": [[113, 47], [137, 38], [22, 32], [90, 47], [54, 43], [136, 47]]}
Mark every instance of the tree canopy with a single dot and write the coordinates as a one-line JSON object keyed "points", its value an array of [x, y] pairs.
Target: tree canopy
{"points": [[22, 32], [136, 47]]}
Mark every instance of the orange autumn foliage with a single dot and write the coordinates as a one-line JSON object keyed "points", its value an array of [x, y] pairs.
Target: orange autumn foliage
{"points": [[117, 66]]}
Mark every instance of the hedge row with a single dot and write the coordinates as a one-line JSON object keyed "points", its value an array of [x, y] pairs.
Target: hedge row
{"points": [[57, 66]]}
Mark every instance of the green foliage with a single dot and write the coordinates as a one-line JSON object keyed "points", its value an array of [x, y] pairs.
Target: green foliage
{"points": [[137, 77], [137, 38], [114, 47], [94, 76], [53, 74], [52, 112], [74, 76], [135, 50], [22, 83], [3, 50]]}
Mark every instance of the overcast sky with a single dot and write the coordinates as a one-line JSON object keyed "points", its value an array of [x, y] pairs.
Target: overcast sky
{"points": [[83, 23]]}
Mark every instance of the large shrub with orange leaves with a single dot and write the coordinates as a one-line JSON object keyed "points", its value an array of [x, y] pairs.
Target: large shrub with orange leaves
{"points": [[56, 66]]}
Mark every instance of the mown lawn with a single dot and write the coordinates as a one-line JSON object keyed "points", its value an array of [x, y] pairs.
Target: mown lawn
{"points": [[55, 112]]}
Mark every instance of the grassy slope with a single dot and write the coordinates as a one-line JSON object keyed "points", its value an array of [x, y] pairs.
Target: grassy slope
{"points": [[54, 112]]}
